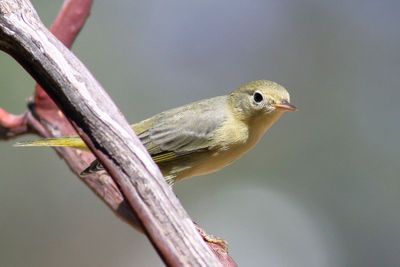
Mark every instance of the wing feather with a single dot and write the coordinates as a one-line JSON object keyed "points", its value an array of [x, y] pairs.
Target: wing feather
{"points": [[184, 130]]}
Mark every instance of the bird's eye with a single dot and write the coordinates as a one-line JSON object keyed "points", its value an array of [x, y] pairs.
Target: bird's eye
{"points": [[258, 97]]}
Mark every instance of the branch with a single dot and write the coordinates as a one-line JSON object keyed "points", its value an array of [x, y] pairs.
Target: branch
{"points": [[70, 85], [66, 27], [12, 125]]}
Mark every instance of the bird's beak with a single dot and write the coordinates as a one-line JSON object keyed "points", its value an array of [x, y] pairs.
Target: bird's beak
{"points": [[286, 106]]}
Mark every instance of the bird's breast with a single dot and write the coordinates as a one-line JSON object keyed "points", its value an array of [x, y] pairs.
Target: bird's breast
{"points": [[233, 140]]}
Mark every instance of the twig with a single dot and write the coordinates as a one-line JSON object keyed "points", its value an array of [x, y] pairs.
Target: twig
{"points": [[12, 125]]}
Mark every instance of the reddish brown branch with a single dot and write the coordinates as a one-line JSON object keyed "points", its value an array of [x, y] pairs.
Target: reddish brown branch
{"points": [[12, 125], [47, 120], [70, 20], [11, 121]]}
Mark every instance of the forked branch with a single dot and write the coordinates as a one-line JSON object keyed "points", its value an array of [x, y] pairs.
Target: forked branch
{"points": [[136, 189]]}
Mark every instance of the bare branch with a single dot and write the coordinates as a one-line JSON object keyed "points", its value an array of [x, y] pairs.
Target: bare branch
{"points": [[11, 125], [106, 132]]}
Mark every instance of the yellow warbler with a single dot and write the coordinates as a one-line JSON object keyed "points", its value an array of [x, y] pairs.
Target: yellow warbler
{"points": [[204, 136]]}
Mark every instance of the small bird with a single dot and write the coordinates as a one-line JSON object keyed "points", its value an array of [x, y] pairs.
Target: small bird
{"points": [[204, 136]]}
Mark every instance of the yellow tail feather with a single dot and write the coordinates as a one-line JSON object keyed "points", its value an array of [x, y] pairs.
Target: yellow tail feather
{"points": [[69, 141]]}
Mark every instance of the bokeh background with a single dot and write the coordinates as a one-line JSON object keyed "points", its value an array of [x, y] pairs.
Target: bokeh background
{"points": [[322, 189]]}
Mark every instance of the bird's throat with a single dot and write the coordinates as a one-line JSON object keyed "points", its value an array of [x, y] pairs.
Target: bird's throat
{"points": [[259, 126]]}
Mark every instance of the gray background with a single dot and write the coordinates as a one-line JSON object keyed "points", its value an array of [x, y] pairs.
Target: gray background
{"points": [[322, 189]]}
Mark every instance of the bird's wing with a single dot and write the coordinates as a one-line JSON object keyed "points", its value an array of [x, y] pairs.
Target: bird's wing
{"points": [[181, 131]]}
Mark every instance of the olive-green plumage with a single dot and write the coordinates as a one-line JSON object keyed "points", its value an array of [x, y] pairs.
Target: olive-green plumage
{"points": [[204, 136]]}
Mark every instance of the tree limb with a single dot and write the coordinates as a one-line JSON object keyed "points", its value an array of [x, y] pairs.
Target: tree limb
{"points": [[78, 94]]}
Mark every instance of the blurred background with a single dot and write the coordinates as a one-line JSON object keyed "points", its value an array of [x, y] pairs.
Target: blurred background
{"points": [[323, 187]]}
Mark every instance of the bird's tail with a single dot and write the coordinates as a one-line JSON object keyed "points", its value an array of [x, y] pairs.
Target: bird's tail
{"points": [[66, 141]]}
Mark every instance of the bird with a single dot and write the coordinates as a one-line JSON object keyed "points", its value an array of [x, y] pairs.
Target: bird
{"points": [[204, 136]]}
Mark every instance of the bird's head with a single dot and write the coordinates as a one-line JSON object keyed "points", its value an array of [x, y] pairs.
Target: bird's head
{"points": [[260, 98]]}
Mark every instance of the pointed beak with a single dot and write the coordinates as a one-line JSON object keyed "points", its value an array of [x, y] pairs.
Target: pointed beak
{"points": [[285, 106]]}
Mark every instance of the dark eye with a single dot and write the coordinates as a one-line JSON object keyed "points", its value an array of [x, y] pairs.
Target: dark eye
{"points": [[258, 97]]}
